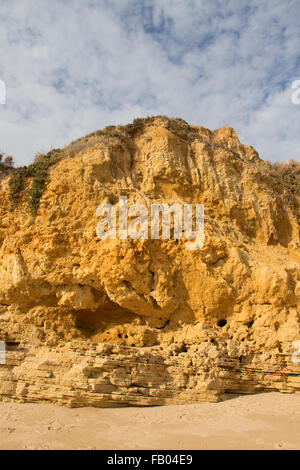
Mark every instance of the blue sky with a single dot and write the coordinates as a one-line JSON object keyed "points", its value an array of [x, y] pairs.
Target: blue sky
{"points": [[74, 66]]}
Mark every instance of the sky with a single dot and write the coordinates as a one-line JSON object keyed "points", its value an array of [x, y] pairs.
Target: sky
{"points": [[74, 66]]}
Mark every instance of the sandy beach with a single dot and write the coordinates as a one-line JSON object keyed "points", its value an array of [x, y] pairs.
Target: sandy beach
{"points": [[264, 421]]}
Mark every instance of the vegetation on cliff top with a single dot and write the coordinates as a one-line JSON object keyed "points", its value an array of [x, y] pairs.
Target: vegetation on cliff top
{"points": [[285, 177]]}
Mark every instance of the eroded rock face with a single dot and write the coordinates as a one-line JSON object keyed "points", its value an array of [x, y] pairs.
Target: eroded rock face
{"points": [[98, 322]]}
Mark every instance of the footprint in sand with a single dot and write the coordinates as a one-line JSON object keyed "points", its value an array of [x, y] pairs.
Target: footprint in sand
{"points": [[281, 445], [7, 430]]}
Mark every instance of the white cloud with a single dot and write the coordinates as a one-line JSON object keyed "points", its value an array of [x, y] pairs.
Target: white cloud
{"points": [[71, 67]]}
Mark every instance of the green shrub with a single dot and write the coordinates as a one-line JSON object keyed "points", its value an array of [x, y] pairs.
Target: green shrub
{"points": [[6, 164], [39, 172], [40, 176], [9, 160], [15, 184]]}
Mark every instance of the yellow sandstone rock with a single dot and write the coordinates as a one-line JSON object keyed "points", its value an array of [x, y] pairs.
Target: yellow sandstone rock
{"points": [[123, 322]]}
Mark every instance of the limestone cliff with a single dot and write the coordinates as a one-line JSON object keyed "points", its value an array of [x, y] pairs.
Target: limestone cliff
{"points": [[102, 322]]}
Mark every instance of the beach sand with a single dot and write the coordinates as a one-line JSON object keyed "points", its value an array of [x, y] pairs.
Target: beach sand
{"points": [[263, 421]]}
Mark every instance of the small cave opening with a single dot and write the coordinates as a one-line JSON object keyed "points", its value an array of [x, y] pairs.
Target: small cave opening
{"points": [[107, 317], [222, 323]]}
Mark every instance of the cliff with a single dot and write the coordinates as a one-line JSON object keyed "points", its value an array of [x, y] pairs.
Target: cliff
{"points": [[121, 321]]}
